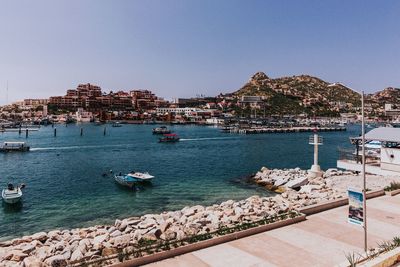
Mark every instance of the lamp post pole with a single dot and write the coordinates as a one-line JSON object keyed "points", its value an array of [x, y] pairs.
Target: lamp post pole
{"points": [[363, 173]]}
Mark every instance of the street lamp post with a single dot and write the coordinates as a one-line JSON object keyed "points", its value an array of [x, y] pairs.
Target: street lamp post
{"points": [[363, 172]]}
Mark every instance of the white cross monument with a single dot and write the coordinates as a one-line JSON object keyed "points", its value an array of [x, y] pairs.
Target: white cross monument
{"points": [[315, 170]]}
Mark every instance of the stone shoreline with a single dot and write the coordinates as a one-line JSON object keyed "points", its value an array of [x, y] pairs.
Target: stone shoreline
{"points": [[61, 247]]}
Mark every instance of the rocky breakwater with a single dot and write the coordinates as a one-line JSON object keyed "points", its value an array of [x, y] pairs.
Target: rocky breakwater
{"points": [[297, 188], [64, 247]]}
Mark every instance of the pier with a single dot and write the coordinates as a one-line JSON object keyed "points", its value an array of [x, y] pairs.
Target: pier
{"points": [[264, 130]]}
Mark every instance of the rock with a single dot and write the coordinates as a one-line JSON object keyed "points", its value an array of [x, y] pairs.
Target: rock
{"points": [[42, 252], [264, 169], [56, 261], [41, 236], [108, 252], [307, 188], [238, 211], [183, 220], [298, 182], [60, 245], [164, 226], [28, 248], [180, 235], [32, 261], [153, 234], [100, 239], [115, 233], [117, 223], [123, 225], [281, 181], [168, 235], [147, 223], [66, 253], [84, 243], [122, 240], [76, 255]]}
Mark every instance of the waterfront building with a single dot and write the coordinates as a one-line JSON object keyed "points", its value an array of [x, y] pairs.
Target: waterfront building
{"points": [[83, 116], [145, 100], [392, 110], [382, 156]]}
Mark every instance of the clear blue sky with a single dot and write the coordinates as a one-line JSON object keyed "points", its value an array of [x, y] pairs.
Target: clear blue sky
{"points": [[183, 48]]}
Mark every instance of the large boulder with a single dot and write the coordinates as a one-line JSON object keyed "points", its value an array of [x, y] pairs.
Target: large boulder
{"points": [[77, 255], [32, 261], [56, 261], [41, 236], [298, 182], [122, 240]]}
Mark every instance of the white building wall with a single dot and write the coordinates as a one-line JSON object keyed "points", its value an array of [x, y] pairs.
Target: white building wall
{"points": [[390, 159]]}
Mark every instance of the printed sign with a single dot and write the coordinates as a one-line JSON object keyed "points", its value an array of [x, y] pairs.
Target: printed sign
{"points": [[356, 212]]}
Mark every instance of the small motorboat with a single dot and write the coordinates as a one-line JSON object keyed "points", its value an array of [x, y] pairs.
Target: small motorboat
{"points": [[116, 124], [141, 176], [169, 138], [126, 180], [12, 194], [161, 130]]}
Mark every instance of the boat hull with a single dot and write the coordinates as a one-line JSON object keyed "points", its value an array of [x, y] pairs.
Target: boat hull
{"points": [[122, 181], [11, 198]]}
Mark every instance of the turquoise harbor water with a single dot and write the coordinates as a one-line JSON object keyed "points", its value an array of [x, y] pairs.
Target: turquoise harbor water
{"points": [[66, 188]]}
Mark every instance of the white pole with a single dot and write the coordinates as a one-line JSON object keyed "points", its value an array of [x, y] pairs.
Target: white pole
{"points": [[315, 149], [363, 173]]}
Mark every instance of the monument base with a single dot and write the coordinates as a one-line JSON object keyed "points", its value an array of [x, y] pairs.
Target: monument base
{"points": [[315, 171]]}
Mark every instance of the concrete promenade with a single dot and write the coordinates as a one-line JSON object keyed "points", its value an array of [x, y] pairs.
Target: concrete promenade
{"points": [[322, 240]]}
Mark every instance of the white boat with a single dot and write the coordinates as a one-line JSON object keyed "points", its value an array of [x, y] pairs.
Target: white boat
{"points": [[14, 146], [12, 194], [141, 177]]}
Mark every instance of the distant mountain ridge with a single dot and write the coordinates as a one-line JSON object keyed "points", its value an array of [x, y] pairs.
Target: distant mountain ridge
{"points": [[387, 95], [300, 94]]}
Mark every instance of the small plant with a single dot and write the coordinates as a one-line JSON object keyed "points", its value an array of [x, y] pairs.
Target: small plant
{"points": [[121, 256], [353, 259], [396, 241], [386, 246], [393, 186]]}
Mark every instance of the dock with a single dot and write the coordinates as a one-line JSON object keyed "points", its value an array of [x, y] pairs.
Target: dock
{"points": [[264, 130]]}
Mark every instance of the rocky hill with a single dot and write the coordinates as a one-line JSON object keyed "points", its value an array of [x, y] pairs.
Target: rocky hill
{"points": [[300, 94], [388, 95]]}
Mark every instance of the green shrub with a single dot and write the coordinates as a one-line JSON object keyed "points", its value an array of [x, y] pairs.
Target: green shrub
{"points": [[392, 186]]}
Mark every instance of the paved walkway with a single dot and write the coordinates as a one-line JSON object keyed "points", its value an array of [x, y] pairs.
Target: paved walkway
{"points": [[322, 240]]}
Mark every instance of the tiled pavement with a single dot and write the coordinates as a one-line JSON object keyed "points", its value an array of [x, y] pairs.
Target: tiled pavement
{"points": [[322, 240]]}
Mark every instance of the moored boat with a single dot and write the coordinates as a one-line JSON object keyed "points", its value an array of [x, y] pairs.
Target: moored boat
{"points": [[11, 194], [161, 130], [141, 176], [116, 124], [125, 180], [169, 138], [14, 146]]}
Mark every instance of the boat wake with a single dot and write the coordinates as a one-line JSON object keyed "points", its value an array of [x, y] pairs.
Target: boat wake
{"points": [[75, 147], [205, 138]]}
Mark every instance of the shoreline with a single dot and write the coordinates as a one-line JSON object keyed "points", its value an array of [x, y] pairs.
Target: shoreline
{"points": [[297, 191]]}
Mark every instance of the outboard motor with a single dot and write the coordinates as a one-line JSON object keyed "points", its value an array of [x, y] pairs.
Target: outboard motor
{"points": [[10, 187], [22, 186]]}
